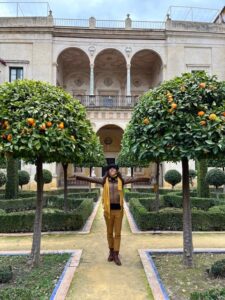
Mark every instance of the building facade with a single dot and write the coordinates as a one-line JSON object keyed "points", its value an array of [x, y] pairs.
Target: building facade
{"points": [[107, 65]]}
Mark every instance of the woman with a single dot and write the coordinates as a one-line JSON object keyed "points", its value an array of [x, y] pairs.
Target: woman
{"points": [[112, 201]]}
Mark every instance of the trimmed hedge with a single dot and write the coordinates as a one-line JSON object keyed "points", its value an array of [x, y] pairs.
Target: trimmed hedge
{"points": [[161, 190], [18, 204], [175, 200], [171, 218], [138, 195], [214, 294], [57, 220], [28, 203]]}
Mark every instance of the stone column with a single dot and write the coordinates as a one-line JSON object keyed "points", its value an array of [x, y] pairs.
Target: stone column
{"points": [[128, 80], [91, 79]]}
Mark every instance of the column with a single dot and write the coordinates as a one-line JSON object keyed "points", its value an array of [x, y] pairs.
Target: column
{"points": [[91, 79], [128, 85], [128, 80]]}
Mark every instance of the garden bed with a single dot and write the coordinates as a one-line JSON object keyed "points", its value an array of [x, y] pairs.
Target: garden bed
{"points": [[36, 283], [180, 282]]}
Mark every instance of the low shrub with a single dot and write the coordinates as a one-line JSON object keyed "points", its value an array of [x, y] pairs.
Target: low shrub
{"points": [[171, 218], [2, 179], [150, 203], [24, 178], [217, 208], [18, 204], [214, 294], [16, 293], [175, 200], [218, 268], [173, 177], [215, 177], [47, 176], [6, 274], [138, 195], [53, 220]]}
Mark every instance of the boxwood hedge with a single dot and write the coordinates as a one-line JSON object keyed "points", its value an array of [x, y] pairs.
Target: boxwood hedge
{"points": [[171, 218], [22, 221]]}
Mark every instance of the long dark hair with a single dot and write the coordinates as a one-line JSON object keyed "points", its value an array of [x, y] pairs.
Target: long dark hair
{"points": [[119, 175]]}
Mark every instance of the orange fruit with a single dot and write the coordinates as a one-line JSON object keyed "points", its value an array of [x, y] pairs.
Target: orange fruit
{"points": [[49, 124], [174, 105], [202, 123], [170, 110], [9, 137], [30, 121], [212, 117], [146, 121], [201, 113], [43, 126], [223, 113], [202, 85], [61, 125]]}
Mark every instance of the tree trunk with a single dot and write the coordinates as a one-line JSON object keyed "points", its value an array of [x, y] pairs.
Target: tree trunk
{"points": [[65, 168], [202, 186], [90, 182], [157, 187], [187, 225], [132, 175], [36, 245], [12, 183]]}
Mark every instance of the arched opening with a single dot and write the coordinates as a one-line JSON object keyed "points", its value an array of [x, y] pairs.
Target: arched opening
{"points": [[73, 72], [146, 71], [110, 77], [110, 137]]}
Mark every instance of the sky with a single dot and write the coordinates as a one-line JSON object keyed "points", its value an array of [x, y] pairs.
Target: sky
{"points": [[152, 10]]}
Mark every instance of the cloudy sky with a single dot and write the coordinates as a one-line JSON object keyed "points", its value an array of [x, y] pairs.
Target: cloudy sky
{"points": [[117, 9]]}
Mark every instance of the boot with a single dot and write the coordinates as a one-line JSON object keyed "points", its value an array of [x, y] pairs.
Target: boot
{"points": [[111, 252], [116, 258]]}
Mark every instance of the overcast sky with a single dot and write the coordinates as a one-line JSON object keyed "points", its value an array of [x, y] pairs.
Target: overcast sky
{"points": [[118, 9]]}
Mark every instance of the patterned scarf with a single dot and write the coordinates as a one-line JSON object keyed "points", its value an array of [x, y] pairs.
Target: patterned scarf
{"points": [[106, 197]]}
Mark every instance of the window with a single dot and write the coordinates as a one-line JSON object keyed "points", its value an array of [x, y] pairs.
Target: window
{"points": [[15, 73]]}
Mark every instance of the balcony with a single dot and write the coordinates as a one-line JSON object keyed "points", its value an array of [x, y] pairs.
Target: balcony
{"points": [[108, 102]]}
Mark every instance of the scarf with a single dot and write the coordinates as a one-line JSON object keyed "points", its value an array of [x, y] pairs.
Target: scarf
{"points": [[106, 197]]}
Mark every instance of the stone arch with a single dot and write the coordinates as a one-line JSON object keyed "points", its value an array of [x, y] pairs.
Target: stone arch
{"points": [[110, 72], [146, 71], [73, 69]]}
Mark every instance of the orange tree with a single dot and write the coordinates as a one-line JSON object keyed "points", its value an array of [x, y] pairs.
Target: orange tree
{"points": [[89, 152], [43, 123], [180, 120]]}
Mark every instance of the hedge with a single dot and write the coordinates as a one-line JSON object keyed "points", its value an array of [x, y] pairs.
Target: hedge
{"points": [[214, 294], [58, 220], [171, 218], [18, 204], [28, 203], [138, 195], [175, 200], [161, 190]]}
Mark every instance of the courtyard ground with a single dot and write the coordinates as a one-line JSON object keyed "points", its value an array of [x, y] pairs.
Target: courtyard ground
{"points": [[96, 278]]}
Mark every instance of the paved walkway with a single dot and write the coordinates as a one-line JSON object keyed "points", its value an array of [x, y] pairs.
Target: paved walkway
{"points": [[96, 278]]}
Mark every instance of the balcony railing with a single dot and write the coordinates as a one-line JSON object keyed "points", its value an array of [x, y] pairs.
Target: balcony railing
{"points": [[97, 101]]}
